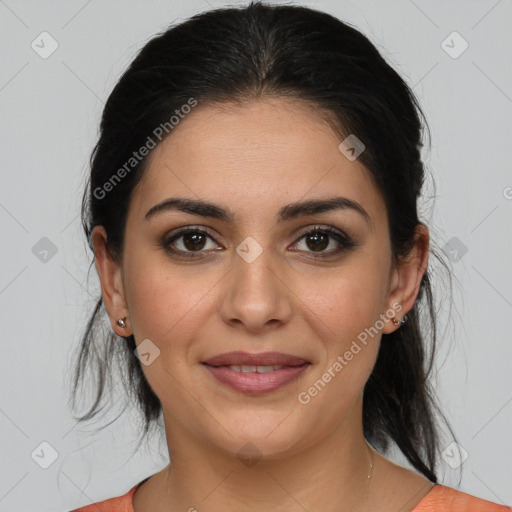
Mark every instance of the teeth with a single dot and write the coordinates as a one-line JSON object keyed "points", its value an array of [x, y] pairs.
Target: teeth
{"points": [[254, 369], [265, 369]]}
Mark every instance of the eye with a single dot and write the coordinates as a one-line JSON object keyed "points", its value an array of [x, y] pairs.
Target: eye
{"points": [[318, 239], [189, 240]]}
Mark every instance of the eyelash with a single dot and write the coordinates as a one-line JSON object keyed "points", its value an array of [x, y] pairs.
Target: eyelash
{"points": [[345, 241]]}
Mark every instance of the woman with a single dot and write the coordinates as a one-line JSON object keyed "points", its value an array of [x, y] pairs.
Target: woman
{"points": [[252, 210]]}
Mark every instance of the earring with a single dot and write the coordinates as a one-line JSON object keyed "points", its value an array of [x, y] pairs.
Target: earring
{"points": [[399, 323], [122, 322]]}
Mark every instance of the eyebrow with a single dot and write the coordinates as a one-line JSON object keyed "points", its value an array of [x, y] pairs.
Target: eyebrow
{"points": [[291, 211]]}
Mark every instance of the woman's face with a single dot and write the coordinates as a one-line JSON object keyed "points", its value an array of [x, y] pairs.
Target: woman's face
{"points": [[248, 278]]}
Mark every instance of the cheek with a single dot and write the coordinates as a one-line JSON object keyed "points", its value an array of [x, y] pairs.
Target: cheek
{"points": [[343, 310], [347, 300], [165, 300], [343, 313]]}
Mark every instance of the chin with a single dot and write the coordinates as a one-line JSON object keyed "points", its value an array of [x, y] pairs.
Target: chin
{"points": [[256, 434], [260, 448]]}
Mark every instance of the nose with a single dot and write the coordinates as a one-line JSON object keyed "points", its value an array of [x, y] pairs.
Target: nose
{"points": [[256, 295]]}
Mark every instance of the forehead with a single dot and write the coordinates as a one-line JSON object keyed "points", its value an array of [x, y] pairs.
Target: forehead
{"points": [[254, 156]]}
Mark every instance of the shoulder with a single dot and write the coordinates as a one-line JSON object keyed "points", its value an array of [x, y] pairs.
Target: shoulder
{"points": [[118, 504], [447, 499]]}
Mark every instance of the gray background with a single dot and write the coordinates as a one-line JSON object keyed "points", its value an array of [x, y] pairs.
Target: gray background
{"points": [[50, 111]]}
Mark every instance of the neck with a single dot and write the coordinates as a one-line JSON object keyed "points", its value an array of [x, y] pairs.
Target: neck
{"points": [[331, 475]]}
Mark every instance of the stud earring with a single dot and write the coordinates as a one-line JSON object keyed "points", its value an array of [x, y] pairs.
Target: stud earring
{"points": [[122, 322], [399, 323]]}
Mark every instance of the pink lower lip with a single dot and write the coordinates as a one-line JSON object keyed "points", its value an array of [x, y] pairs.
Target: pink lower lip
{"points": [[256, 383]]}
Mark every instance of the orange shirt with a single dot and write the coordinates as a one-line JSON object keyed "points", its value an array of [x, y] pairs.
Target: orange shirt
{"points": [[439, 499]]}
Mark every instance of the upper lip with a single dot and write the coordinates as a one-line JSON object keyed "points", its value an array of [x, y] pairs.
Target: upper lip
{"points": [[260, 359]]}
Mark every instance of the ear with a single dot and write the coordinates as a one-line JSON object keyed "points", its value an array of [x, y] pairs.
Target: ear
{"points": [[110, 274], [406, 278]]}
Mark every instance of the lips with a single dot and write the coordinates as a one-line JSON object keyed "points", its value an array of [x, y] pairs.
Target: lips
{"points": [[240, 358], [256, 373]]}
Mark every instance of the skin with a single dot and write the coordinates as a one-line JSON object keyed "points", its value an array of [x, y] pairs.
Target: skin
{"points": [[254, 158]]}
